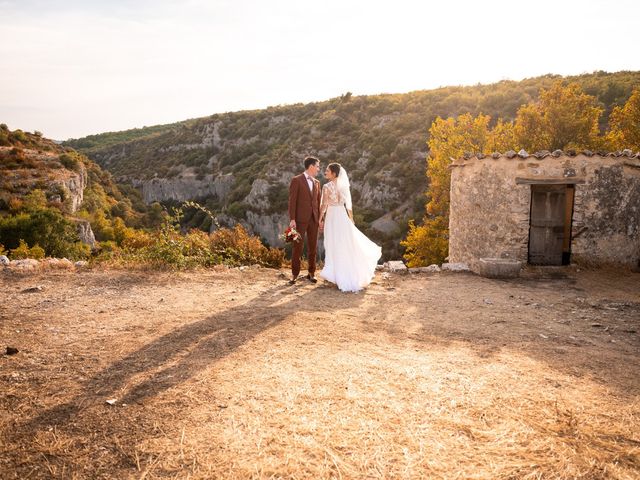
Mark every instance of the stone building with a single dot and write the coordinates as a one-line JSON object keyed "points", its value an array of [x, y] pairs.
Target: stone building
{"points": [[546, 208]]}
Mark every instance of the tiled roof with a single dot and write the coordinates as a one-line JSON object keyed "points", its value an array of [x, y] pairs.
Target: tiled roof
{"points": [[522, 154]]}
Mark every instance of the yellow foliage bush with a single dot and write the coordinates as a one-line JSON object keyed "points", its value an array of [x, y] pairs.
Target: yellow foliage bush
{"points": [[15, 204], [23, 251], [136, 239], [241, 248], [426, 244]]}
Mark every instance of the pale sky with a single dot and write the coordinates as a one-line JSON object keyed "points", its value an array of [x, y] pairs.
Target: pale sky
{"points": [[74, 68]]}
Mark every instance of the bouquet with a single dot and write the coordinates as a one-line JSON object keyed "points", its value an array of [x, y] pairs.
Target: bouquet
{"points": [[291, 235]]}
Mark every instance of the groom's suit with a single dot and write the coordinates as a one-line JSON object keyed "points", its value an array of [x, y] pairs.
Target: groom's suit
{"points": [[304, 208]]}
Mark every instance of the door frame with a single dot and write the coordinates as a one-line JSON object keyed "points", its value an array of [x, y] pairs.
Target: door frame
{"points": [[567, 237]]}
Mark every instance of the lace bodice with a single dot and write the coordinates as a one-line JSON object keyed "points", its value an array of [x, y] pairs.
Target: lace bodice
{"points": [[330, 195]]}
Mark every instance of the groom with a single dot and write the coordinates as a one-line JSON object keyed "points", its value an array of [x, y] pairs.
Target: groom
{"points": [[304, 216]]}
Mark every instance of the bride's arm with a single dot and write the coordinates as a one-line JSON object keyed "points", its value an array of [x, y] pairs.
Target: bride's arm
{"points": [[324, 204]]}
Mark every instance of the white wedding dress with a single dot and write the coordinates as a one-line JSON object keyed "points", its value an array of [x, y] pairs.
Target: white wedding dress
{"points": [[350, 257]]}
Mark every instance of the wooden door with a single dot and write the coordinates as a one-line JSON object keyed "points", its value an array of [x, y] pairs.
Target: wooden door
{"points": [[548, 228]]}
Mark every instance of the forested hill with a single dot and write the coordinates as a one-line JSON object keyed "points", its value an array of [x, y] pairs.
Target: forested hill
{"points": [[240, 162]]}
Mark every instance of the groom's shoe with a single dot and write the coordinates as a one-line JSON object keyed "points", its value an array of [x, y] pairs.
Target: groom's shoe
{"points": [[312, 279], [293, 280]]}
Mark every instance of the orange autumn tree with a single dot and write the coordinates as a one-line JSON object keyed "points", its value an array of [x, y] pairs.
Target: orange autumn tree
{"points": [[450, 138], [564, 117], [624, 123]]}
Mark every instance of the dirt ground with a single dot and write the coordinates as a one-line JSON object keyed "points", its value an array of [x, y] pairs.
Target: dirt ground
{"points": [[236, 374]]}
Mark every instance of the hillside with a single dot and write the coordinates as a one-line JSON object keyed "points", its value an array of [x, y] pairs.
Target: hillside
{"points": [[240, 163], [41, 179]]}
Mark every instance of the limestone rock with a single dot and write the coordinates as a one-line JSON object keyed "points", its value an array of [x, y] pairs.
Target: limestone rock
{"points": [[58, 263], [182, 189], [455, 267], [385, 224], [395, 266], [269, 227], [36, 289], [86, 233], [75, 186], [26, 264], [4, 260], [66, 263], [258, 196], [430, 269], [80, 264]]}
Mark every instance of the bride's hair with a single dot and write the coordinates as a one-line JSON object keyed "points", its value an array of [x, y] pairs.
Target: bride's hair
{"points": [[335, 168]]}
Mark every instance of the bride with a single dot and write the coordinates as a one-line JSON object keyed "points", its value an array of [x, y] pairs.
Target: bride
{"points": [[350, 257]]}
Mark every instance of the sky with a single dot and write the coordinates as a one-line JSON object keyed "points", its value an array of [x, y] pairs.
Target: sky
{"points": [[74, 68]]}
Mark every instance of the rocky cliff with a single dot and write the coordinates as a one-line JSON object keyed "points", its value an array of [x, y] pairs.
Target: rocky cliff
{"points": [[185, 188]]}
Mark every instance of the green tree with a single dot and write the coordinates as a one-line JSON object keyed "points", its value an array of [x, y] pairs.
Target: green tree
{"points": [[102, 227], [47, 228], [34, 200], [156, 215]]}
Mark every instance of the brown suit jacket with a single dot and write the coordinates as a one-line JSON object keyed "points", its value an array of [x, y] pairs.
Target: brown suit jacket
{"points": [[304, 205]]}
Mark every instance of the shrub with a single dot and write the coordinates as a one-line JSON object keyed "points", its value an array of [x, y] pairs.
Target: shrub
{"points": [[136, 239], [23, 251], [167, 247], [238, 247], [70, 161], [20, 252], [48, 228], [17, 153], [238, 210], [19, 136], [78, 251], [102, 227], [426, 244], [34, 200], [15, 204]]}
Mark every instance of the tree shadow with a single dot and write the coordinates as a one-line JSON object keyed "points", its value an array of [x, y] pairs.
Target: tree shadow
{"points": [[181, 354]]}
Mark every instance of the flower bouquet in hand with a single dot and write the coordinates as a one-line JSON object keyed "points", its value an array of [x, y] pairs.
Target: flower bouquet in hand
{"points": [[291, 235]]}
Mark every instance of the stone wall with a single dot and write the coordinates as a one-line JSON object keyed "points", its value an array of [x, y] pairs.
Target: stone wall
{"points": [[491, 196]]}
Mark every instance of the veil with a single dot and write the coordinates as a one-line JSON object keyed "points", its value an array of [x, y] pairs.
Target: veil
{"points": [[343, 188]]}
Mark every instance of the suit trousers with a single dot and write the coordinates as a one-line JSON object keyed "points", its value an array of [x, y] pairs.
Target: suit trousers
{"points": [[310, 231]]}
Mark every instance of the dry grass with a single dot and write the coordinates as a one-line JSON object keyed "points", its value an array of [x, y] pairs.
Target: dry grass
{"points": [[234, 374]]}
